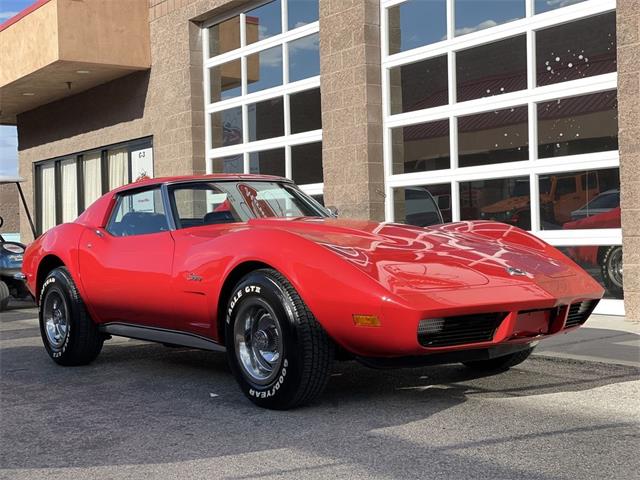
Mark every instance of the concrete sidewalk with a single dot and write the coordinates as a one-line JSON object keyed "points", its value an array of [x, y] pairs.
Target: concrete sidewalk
{"points": [[604, 338]]}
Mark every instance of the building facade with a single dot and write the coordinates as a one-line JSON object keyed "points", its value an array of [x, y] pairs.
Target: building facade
{"points": [[522, 111]]}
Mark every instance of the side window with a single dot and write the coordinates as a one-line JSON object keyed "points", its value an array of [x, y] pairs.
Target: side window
{"points": [[202, 204], [138, 213]]}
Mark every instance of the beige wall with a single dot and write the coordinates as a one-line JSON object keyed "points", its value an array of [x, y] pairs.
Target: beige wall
{"points": [[352, 107], [628, 27], [9, 208]]}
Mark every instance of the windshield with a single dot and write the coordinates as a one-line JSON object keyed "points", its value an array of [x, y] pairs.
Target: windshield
{"points": [[207, 203]]}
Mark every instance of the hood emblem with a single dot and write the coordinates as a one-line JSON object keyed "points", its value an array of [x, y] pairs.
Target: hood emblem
{"points": [[515, 272]]}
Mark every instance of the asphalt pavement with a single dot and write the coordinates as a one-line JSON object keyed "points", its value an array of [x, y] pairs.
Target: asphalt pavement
{"points": [[146, 411]]}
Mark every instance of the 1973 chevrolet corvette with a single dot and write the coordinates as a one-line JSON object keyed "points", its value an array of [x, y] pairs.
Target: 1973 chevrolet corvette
{"points": [[252, 266]]}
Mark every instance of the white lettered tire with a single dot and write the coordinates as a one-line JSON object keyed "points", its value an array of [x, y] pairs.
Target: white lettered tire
{"points": [[278, 352]]}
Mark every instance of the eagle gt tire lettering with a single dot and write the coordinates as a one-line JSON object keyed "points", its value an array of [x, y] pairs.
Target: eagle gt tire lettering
{"points": [[278, 352]]}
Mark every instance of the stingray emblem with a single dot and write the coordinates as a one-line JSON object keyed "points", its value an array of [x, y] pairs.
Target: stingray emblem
{"points": [[516, 272]]}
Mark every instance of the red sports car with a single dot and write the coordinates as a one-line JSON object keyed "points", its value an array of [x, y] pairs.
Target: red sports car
{"points": [[252, 266]]}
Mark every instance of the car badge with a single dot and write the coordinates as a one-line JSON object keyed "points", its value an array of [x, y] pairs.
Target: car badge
{"points": [[516, 272]]}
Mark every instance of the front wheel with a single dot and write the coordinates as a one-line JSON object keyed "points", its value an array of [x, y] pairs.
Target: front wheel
{"points": [[278, 352], [5, 295], [69, 334], [500, 363]]}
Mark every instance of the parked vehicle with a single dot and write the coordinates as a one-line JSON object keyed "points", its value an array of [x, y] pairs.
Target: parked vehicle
{"points": [[252, 266], [559, 196], [607, 257], [11, 253], [602, 203]]}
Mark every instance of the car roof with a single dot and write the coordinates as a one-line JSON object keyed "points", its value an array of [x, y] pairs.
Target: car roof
{"points": [[199, 178]]}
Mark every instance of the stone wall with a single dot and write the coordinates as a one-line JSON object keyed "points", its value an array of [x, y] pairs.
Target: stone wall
{"points": [[9, 209], [628, 27]]}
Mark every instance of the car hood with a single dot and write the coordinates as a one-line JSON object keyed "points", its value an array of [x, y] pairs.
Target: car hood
{"points": [[409, 259]]}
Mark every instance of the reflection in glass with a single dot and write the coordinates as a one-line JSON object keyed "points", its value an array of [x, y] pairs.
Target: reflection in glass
{"points": [[264, 69], [575, 125], [422, 205], [419, 85], [263, 22], [304, 57], [230, 164], [226, 127], [224, 37], [306, 163], [305, 111], [266, 119], [576, 50], [420, 148], [493, 137], [603, 263], [476, 15], [301, 12], [577, 200], [506, 200], [546, 5], [268, 162], [319, 199], [225, 80], [492, 69], [408, 24]]}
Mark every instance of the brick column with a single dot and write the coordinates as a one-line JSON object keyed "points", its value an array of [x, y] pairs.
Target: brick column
{"points": [[351, 107], [628, 33]]}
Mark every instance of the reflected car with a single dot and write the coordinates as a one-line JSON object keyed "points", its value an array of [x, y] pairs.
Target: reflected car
{"points": [[608, 258], [600, 204], [251, 266]]}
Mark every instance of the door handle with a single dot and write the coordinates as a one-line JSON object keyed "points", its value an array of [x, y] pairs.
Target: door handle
{"points": [[99, 233]]}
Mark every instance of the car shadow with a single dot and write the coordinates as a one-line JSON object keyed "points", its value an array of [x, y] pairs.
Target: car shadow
{"points": [[142, 404]]}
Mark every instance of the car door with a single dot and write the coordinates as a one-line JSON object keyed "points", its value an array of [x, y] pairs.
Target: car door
{"points": [[125, 268]]}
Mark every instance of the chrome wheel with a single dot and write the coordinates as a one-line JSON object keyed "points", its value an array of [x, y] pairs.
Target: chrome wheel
{"points": [[614, 267], [56, 319], [258, 342]]}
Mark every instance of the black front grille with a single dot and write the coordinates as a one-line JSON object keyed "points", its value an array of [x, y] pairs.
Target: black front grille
{"points": [[448, 331], [579, 312]]}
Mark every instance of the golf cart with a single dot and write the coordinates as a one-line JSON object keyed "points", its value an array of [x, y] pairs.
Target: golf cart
{"points": [[11, 253]]}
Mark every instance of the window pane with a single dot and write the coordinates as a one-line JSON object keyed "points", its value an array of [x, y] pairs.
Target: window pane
{"points": [[304, 58], [230, 164], [577, 200], [224, 36], [47, 197], [422, 205], [420, 148], [92, 175], [546, 5], [575, 125], [69, 189], [306, 163], [266, 119], [269, 162], [263, 22], [493, 137], [576, 50], [305, 111], [603, 263], [302, 12], [202, 204], [475, 15], [226, 127], [319, 199], [492, 69], [408, 24], [139, 214], [419, 85], [118, 167], [264, 69], [225, 80], [504, 200]]}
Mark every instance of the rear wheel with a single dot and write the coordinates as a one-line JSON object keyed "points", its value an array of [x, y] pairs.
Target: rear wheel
{"points": [[500, 363], [611, 269], [278, 352], [5, 295], [69, 334]]}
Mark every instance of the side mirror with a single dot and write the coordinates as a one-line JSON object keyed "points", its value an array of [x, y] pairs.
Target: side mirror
{"points": [[333, 211]]}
